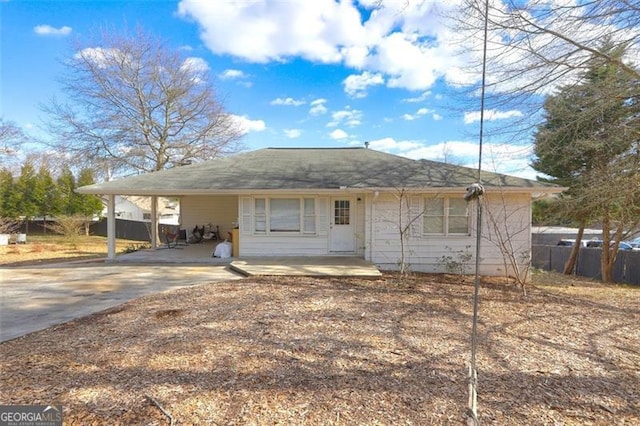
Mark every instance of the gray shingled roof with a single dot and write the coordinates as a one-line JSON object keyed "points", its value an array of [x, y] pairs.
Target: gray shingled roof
{"points": [[307, 169]]}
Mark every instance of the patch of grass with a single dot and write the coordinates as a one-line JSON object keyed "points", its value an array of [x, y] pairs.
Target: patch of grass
{"points": [[36, 248], [55, 248]]}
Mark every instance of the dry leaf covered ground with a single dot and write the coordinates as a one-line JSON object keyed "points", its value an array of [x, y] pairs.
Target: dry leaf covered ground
{"points": [[286, 351]]}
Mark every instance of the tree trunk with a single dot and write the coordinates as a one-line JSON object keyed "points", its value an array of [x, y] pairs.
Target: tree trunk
{"points": [[570, 266], [607, 268], [605, 260]]}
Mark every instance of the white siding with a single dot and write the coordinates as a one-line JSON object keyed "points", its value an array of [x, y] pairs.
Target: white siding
{"points": [[423, 252], [506, 221], [199, 210], [125, 209], [286, 245], [296, 244], [360, 225]]}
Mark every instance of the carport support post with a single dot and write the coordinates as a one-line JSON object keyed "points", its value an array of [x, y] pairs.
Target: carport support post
{"points": [[154, 222], [111, 227]]}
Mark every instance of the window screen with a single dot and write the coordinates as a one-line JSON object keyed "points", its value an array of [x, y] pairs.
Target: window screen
{"points": [[284, 215]]}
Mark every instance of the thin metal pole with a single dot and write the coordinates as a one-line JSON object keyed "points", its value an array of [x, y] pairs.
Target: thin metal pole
{"points": [[473, 374]]}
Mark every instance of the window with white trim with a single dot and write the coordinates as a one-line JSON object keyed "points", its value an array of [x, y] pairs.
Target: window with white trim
{"points": [[260, 215], [309, 220], [284, 215], [445, 216]]}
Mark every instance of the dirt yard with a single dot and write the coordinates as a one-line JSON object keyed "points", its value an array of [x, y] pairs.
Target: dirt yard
{"points": [[285, 351], [42, 249]]}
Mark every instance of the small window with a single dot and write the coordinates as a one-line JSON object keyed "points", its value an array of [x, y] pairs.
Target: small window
{"points": [[446, 216], [341, 212], [146, 216]]}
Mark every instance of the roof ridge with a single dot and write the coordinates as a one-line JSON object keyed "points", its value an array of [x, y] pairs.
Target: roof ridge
{"points": [[319, 147]]}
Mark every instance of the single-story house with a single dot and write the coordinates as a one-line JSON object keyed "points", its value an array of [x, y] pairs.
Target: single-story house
{"points": [[345, 201]]}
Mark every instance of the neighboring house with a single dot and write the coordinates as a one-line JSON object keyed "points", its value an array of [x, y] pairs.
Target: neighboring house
{"points": [[137, 208], [345, 201]]}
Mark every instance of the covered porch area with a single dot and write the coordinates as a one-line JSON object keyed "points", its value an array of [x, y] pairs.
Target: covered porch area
{"points": [[328, 266]]}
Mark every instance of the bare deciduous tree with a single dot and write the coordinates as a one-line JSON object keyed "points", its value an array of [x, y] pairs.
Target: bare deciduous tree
{"points": [[507, 228], [536, 46], [405, 221], [69, 226], [140, 105], [11, 138]]}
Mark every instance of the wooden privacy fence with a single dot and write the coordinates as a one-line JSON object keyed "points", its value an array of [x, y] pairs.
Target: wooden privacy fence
{"points": [[626, 269], [127, 229]]}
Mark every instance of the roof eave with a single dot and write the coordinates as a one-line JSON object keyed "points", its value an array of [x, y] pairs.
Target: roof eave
{"points": [[542, 190]]}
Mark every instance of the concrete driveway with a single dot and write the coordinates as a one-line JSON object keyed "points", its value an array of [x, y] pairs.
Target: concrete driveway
{"points": [[34, 298]]}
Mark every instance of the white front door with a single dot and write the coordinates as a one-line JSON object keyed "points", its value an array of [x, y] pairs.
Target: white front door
{"points": [[342, 226]]}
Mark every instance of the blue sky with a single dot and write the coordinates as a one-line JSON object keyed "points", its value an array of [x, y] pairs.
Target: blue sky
{"points": [[295, 73]]}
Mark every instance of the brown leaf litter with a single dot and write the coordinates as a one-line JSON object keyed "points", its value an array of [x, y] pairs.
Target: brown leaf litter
{"points": [[290, 351]]}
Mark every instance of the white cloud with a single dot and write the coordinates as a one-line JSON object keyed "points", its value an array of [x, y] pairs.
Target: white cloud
{"points": [[274, 30], [501, 158], [246, 125], [393, 146], [317, 107], [338, 134], [420, 98], [348, 117], [421, 112], [231, 74], [195, 64], [490, 115], [98, 55], [195, 67], [292, 133], [287, 102], [48, 30], [409, 44], [403, 43], [356, 85]]}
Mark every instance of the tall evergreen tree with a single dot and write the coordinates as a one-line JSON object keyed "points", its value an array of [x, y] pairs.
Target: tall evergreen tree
{"points": [[87, 205], [46, 196], [589, 143], [9, 197], [26, 187], [66, 187]]}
